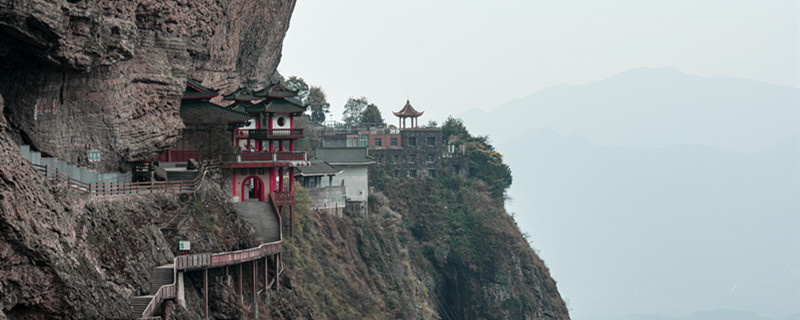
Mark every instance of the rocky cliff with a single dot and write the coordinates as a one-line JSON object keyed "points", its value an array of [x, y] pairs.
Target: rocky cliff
{"points": [[108, 75]]}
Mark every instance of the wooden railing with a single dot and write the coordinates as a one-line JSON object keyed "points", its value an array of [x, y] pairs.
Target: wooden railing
{"points": [[119, 188], [270, 134], [165, 292], [214, 260]]}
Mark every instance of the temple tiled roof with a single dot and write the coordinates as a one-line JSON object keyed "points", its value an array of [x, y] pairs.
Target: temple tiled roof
{"points": [[287, 105], [408, 111], [194, 90], [344, 156], [276, 90], [196, 112], [246, 106], [318, 168], [241, 94]]}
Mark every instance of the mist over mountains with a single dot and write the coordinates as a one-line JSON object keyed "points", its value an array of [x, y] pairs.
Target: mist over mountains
{"points": [[646, 107], [657, 192]]}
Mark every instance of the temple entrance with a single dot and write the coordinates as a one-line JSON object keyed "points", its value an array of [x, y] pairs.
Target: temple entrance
{"points": [[253, 189]]}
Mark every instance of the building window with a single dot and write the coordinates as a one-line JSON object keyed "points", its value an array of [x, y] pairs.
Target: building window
{"points": [[394, 141], [378, 142], [380, 159], [412, 173], [397, 173], [431, 141], [363, 140], [456, 169], [395, 158], [412, 141], [412, 158], [431, 158], [94, 155], [432, 173]]}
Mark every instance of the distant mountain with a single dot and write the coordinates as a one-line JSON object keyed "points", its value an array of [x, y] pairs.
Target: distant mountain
{"points": [[646, 107], [661, 230], [658, 192]]}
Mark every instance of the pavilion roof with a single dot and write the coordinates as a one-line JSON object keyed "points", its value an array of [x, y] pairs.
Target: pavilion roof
{"points": [[287, 105], [241, 94], [196, 111], [276, 90], [318, 168], [408, 111], [194, 90]]}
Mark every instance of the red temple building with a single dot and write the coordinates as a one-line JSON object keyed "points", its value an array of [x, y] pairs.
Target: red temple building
{"points": [[260, 126]]}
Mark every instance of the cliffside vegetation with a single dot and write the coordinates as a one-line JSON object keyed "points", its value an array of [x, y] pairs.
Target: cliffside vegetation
{"points": [[439, 248]]}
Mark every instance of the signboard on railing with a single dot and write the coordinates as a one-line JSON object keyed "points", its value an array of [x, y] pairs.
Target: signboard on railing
{"points": [[185, 245]]}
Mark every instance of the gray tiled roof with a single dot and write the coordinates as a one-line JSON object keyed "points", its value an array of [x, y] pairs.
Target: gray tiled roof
{"points": [[206, 112], [318, 168], [345, 156]]}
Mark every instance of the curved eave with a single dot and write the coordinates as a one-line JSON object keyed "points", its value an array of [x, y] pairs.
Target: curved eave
{"points": [[398, 114]]}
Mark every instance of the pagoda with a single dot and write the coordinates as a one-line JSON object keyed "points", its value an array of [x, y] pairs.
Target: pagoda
{"points": [[262, 128], [408, 112], [265, 165]]}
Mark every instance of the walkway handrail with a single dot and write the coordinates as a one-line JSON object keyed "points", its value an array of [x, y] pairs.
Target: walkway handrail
{"points": [[201, 261], [118, 188], [165, 292]]}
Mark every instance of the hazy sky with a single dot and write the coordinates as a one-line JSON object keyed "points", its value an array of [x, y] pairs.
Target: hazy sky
{"points": [[450, 56]]}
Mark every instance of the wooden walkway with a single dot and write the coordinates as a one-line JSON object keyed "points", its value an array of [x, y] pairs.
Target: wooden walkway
{"points": [[266, 222]]}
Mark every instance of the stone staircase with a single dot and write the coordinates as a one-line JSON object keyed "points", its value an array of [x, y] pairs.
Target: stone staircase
{"points": [[162, 275], [263, 219]]}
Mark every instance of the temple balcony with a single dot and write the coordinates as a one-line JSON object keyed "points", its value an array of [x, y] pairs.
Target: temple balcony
{"points": [[270, 134], [270, 159]]}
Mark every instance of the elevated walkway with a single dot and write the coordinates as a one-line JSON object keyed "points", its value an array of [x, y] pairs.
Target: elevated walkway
{"points": [[165, 285]]}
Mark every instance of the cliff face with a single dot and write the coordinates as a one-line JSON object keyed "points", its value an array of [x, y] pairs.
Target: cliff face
{"points": [[108, 75]]}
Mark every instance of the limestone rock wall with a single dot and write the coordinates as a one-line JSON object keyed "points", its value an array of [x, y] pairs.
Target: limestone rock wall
{"points": [[108, 75]]}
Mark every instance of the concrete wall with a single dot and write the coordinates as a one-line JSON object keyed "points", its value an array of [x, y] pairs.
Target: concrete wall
{"points": [[355, 181], [329, 199]]}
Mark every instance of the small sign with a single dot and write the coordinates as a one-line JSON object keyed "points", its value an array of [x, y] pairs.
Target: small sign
{"points": [[185, 245]]}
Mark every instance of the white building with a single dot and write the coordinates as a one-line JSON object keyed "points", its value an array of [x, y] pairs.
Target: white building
{"points": [[354, 176]]}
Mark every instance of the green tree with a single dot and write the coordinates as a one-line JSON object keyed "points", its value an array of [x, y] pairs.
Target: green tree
{"points": [[371, 116], [318, 103], [353, 109], [485, 162], [300, 85], [312, 96]]}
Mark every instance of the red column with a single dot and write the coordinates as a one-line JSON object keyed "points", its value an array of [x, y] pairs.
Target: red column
{"points": [[272, 176], [280, 179]]}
